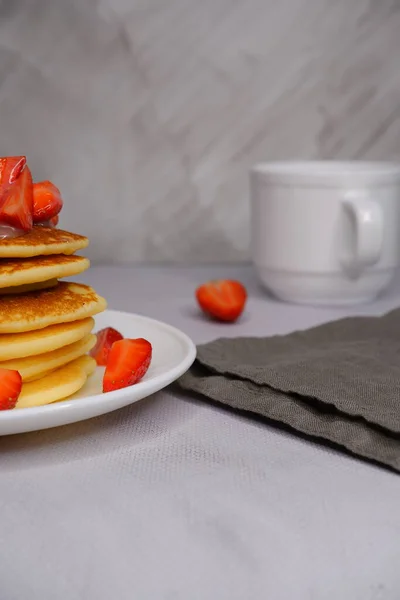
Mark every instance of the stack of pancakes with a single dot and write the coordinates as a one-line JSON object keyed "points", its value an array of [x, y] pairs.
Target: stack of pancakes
{"points": [[46, 324]]}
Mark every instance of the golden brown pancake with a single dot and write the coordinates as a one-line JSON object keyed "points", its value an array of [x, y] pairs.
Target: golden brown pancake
{"points": [[42, 241], [58, 385], [29, 343], [32, 367], [29, 287], [62, 304], [22, 271]]}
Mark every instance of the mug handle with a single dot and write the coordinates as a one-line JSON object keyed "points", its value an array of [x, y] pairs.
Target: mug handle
{"points": [[366, 232]]}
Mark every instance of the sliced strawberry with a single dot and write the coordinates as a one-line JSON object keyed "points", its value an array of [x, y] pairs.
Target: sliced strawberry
{"points": [[224, 300], [10, 169], [16, 203], [50, 223], [47, 201], [128, 362], [10, 388], [105, 339]]}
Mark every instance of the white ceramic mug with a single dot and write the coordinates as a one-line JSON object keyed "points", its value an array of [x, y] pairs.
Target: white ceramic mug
{"points": [[325, 232]]}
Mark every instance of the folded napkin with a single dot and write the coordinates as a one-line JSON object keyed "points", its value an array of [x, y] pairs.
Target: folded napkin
{"points": [[339, 382]]}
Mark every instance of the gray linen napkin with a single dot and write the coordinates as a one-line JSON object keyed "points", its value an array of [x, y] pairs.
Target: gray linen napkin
{"points": [[339, 382]]}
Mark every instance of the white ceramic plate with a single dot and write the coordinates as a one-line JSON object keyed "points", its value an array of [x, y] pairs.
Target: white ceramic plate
{"points": [[173, 353]]}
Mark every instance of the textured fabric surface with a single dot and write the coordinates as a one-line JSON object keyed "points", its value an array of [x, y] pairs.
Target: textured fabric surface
{"points": [[176, 499], [339, 381]]}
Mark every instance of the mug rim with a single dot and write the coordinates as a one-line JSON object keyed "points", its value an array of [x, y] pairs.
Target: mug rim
{"points": [[328, 171]]}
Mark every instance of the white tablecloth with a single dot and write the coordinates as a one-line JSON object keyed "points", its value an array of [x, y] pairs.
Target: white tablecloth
{"points": [[175, 499]]}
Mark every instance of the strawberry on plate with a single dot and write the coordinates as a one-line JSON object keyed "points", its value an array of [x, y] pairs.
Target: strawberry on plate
{"points": [[10, 388], [224, 299], [105, 339], [47, 201], [127, 363], [16, 201]]}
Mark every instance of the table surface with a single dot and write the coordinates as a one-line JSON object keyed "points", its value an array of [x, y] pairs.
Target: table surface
{"points": [[176, 499]]}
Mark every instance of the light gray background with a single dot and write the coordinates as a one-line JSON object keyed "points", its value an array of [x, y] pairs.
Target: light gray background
{"points": [[148, 113]]}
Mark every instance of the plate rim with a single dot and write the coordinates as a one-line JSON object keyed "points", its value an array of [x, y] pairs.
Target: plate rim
{"points": [[163, 380]]}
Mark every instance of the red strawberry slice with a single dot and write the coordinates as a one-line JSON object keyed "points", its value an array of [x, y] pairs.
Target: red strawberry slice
{"points": [[105, 339], [128, 362], [47, 201], [224, 300], [16, 202], [10, 169], [50, 223], [10, 388]]}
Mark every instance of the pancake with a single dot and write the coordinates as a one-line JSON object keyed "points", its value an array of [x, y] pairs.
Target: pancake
{"points": [[22, 271], [32, 367], [62, 304], [60, 384], [42, 241], [19, 345], [29, 287]]}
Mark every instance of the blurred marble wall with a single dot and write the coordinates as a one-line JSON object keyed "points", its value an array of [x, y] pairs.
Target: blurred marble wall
{"points": [[148, 113]]}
